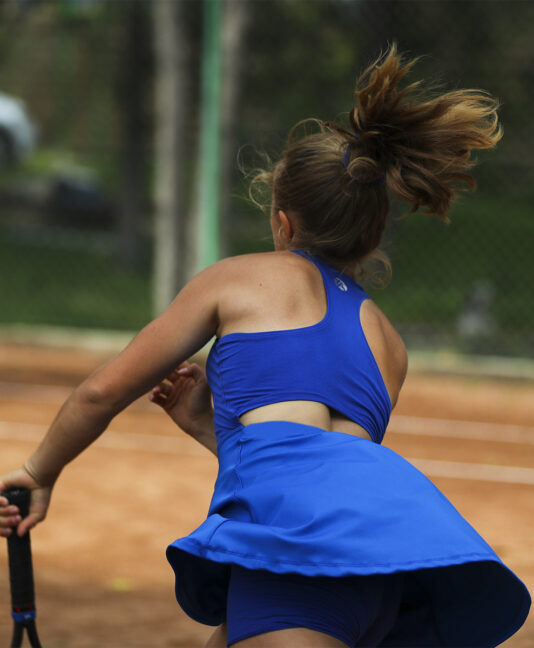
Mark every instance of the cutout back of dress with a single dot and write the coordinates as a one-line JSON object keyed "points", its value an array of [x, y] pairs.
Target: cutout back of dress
{"points": [[329, 362]]}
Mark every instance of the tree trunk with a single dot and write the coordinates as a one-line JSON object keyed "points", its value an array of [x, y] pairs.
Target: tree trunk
{"points": [[132, 90], [235, 20], [170, 244]]}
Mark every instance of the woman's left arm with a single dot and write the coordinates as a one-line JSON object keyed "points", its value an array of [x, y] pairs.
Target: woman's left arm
{"points": [[186, 397], [189, 323]]}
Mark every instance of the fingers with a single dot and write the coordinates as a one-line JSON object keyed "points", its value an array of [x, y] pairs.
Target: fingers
{"points": [[4, 502], [157, 397], [160, 393], [8, 510], [193, 371], [164, 388], [28, 523], [189, 370], [38, 508], [184, 371], [9, 517], [7, 523]]}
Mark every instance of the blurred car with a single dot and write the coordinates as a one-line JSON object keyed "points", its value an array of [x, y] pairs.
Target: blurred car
{"points": [[79, 200], [17, 131]]}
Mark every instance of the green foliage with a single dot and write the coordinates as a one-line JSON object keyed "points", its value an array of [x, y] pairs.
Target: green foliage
{"points": [[436, 267], [48, 282], [42, 164], [301, 60]]}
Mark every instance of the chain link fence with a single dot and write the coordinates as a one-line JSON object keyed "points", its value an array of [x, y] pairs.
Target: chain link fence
{"points": [[75, 233]]}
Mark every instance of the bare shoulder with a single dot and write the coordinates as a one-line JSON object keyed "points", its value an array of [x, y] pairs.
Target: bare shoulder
{"points": [[258, 262], [255, 293], [375, 318], [260, 268], [237, 270], [387, 346]]}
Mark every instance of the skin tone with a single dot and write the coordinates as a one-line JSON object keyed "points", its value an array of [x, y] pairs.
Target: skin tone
{"points": [[206, 307], [185, 396], [384, 341]]}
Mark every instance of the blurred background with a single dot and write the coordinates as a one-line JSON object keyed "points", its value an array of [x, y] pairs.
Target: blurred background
{"points": [[128, 129]]}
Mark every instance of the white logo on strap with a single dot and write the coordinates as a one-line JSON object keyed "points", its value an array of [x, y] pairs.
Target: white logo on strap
{"points": [[340, 284]]}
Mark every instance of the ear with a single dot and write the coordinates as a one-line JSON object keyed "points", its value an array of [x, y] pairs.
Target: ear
{"points": [[286, 225]]}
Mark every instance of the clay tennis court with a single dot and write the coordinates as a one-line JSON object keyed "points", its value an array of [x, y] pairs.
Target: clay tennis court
{"points": [[102, 579]]}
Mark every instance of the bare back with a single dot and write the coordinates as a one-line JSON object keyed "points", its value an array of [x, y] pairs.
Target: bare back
{"points": [[281, 290]]}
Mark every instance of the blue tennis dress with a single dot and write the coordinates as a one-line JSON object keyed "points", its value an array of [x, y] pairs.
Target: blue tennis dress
{"points": [[293, 498]]}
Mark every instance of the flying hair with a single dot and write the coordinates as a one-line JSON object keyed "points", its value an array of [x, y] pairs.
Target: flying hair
{"points": [[403, 140]]}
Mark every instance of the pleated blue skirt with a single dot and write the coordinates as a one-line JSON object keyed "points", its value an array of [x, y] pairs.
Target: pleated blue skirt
{"points": [[292, 498]]}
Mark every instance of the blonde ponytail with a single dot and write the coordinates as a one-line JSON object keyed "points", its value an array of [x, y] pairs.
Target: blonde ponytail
{"points": [[402, 140], [423, 144]]}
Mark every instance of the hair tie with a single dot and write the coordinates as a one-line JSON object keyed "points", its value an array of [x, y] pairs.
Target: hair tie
{"points": [[378, 181], [346, 157], [346, 162]]}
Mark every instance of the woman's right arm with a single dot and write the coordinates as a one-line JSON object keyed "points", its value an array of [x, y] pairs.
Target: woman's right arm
{"points": [[185, 327]]}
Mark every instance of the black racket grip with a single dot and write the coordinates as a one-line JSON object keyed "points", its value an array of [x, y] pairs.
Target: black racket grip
{"points": [[20, 555]]}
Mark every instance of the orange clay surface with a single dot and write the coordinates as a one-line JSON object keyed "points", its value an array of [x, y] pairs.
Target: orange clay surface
{"points": [[101, 576]]}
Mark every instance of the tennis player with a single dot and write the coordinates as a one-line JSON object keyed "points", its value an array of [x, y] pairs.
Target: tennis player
{"points": [[317, 535]]}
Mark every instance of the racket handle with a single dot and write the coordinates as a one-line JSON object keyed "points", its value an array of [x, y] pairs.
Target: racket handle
{"points": [[20, 560]]}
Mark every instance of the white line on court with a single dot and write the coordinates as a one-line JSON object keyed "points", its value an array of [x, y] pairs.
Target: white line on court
{"points": [[33, 392], [158, 443], [478, 472], [451, 428], [30, 391], [152, 443], [399, 424]]}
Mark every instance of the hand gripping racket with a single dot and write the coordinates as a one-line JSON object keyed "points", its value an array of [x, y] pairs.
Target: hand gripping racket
{"points": [[21, 575]]}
